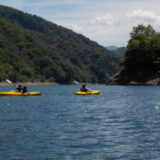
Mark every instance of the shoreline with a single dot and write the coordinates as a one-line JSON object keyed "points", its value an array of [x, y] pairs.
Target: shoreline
{"points": [[29, 83]]}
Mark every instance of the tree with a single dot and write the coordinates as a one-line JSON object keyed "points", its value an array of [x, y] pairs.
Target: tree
{"points": [[142, 56]]}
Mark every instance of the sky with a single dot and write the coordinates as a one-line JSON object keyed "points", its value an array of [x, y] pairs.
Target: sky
{"points": [[108, 22]]}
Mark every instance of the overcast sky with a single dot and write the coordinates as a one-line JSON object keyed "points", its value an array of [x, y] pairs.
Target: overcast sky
{"points": [[108, 22]]}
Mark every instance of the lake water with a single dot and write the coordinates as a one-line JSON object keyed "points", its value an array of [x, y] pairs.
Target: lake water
{"points": [[122, 123]]}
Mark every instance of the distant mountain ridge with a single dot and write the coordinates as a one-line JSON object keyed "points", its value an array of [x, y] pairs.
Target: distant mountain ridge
{"points": [[33, 49], [112, 48], [119, 51]]}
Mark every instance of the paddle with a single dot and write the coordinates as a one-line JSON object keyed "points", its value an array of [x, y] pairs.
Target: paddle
{"points": [[10, 82], [7, 80], [19, 88]]}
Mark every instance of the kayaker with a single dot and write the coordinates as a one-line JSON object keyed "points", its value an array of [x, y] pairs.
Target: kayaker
{"points": [[84, 88], [24, 89], [19, 88]]}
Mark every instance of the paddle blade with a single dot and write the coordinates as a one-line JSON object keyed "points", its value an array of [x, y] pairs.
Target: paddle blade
{"points": [[7, 80]]}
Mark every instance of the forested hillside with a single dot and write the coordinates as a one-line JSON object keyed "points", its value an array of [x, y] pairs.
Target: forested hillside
{"points": [[33, 49]]}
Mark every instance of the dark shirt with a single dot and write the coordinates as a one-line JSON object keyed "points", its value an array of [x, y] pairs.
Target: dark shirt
{"points": [[84, 89], [19, 88], [25, 90]]}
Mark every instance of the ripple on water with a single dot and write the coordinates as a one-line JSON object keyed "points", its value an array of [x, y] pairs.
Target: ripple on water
{"points": [[121, 123]]}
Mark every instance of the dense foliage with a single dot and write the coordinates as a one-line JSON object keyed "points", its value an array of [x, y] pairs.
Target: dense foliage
{"points": [[33, 49], [142, 57], [120, 52]]}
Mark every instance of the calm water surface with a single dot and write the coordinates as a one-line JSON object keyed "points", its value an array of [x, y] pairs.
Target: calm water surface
{"points": [[122, 123]]}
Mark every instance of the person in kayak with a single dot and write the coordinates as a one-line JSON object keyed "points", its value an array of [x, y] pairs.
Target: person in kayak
{"points": [[19, 88], [24, 89], [84, 88]]}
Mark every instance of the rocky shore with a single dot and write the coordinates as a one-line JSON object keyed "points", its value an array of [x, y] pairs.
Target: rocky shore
{"points": [[119, 79]]}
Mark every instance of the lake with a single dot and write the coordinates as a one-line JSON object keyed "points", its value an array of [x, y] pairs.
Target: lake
{"points": [[122, 123]]}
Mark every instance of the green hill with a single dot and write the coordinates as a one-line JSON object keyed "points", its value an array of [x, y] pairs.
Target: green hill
{"points": [[33, 49]]}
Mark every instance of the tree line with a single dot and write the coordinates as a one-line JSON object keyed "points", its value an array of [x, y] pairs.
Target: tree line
{"points": [[142, 54]]}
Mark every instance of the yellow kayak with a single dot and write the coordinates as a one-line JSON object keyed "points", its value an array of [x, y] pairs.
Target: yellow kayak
{"points": [[88, 92], [15, 93]]}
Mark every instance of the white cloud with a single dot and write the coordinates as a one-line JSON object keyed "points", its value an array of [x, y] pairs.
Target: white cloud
{"points": [[105, 29], [107, 20], [145, 17], [76, 28]]}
